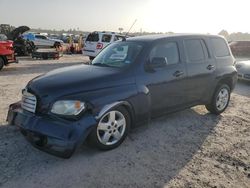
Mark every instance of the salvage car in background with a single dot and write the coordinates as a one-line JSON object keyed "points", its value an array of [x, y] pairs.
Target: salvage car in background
{"points": [[243, 69], [96, 41], [240, 48], [7, 54], [40, 40], [128, 83], [21, 46]]}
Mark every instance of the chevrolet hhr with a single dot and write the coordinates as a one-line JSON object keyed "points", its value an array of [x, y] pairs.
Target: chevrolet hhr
{"points": [[127, 84]]}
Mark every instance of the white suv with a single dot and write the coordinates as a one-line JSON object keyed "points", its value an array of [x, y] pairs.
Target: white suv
{"points": [[96, 41]]}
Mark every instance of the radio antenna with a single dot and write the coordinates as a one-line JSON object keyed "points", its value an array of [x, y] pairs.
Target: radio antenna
{"points": [[131, 27]]}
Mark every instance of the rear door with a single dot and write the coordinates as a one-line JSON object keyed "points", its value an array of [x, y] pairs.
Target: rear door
{"points": [[43, 41], [200, 69]]}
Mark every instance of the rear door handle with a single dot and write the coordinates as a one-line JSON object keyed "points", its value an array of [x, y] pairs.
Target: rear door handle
{"points": [[178, 73], [210, 67]]}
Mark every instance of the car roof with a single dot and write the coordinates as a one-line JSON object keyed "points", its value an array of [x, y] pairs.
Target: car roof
{"points": [[106, 32], [150, 38]]}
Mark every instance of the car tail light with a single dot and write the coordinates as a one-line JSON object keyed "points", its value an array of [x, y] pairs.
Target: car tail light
{"points": [[99, 46]]}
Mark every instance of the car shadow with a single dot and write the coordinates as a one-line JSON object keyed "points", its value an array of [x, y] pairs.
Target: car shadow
{"points": [[242, 88], [150, 157]]}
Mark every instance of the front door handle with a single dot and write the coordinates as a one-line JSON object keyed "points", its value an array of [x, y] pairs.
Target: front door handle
{"points": [[178, 73], [210, 67]]}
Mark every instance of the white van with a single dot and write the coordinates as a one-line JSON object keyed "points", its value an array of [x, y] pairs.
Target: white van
{"points": [[96, 41]]}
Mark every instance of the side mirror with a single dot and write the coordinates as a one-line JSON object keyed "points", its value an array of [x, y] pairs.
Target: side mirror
{"points": [[158, 62]]}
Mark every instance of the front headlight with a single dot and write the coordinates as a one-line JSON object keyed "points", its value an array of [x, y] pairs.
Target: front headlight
{"points": [[68, 107]]}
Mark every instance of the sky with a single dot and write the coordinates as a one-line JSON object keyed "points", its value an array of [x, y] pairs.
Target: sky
{"points": [[180, 16]]}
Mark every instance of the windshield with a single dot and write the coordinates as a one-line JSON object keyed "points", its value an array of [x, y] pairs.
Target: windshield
{"points": [[119, 54]]}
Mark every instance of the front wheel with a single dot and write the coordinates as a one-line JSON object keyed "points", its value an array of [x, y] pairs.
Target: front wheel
{"points": [[220, 100], [111, 129]]}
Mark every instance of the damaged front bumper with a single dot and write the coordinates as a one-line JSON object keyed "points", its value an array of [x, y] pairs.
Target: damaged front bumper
{"points": [[53, 135]]}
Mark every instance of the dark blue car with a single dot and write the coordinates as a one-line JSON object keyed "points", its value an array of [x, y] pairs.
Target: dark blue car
{"points": [[128, 83]]}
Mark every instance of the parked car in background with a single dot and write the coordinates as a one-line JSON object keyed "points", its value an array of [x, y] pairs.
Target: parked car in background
{"points": [[240, 48], [96, 41], [128, 83], [42, 40], [7, 54], [243, 69]]}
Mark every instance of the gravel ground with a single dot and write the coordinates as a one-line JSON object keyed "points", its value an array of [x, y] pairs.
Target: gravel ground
{"points": [[191, 148]]}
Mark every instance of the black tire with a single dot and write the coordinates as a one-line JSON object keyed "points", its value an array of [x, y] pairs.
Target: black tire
{"points": [[1, 63], [212, 107], [93, 137]]}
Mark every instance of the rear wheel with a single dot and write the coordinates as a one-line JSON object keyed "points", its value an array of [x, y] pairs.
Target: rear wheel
{"points": [[111, 129], [220, 100], [1, 63]]}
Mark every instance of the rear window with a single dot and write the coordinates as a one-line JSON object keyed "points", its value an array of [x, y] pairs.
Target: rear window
{"points": [[194, 50], [220, 47], [93, 37]]}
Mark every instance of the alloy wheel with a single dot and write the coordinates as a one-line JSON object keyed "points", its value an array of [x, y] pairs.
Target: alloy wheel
{"points": [[111, 128], [222, 99]]}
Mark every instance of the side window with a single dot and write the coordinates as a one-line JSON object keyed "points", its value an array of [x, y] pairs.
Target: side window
{"points": [[220, 47], [106, 38], [120, 38], [169, 51], [194, 49], [40, 37]]}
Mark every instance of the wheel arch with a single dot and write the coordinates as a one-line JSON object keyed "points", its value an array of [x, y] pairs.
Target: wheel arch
{"points": [[113, 105], [227, 80]]}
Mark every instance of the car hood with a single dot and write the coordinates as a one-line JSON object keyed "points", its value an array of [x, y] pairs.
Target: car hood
{"points": [[77, 79], [17, 31]]}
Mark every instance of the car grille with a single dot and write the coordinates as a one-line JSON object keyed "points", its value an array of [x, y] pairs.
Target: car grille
{"points": [[28, 101]]}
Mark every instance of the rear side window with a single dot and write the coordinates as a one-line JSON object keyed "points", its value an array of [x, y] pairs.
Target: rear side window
{"points": [[168, 51], [40, 37], [93, 37], [220, 47], [195, 50], [106, 38], [120, 38]]}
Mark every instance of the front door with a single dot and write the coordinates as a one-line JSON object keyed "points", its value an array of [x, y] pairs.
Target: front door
{"points": [[166, 84]]}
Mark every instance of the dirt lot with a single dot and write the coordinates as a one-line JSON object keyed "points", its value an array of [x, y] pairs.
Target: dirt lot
{"points": [[191, 148]]}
